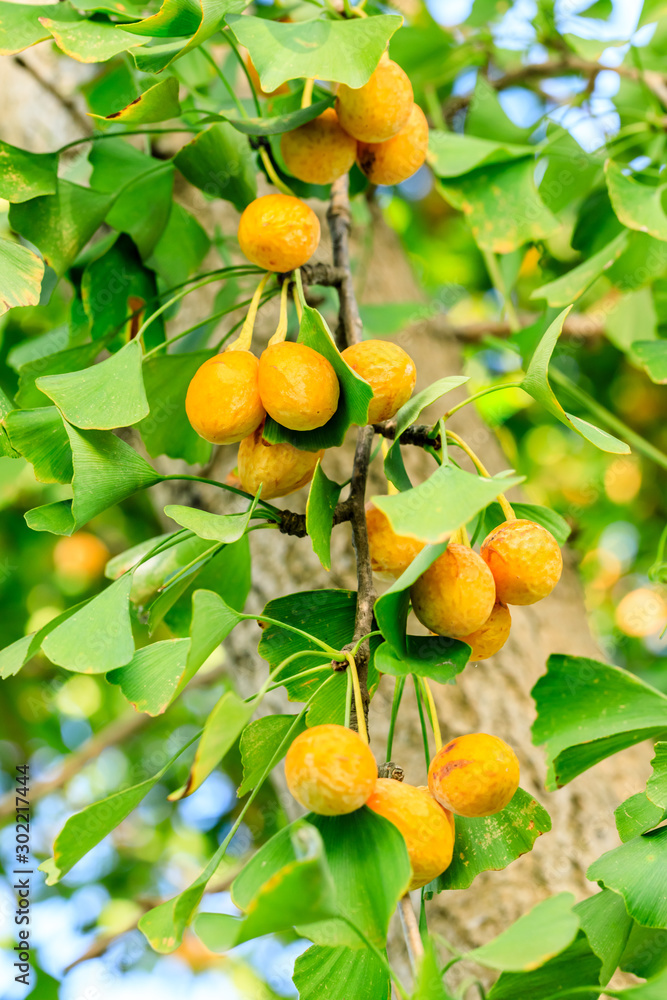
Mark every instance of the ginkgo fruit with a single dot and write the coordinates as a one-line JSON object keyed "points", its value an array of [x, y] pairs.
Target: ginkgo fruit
{"points": [[280, 469], [426, 827], [640, 612], [379, 109], [525, 560], [81, 555], [223, 402], [278, 232], [492, 635], [330, 770], [320, 151], [391, 554], [298, 386], [398, 158], [456, 594], [474, 775], [389, 371], [283, 88]]}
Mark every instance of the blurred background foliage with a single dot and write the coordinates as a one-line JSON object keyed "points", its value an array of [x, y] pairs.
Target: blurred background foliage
{"points": [[616, 505]]}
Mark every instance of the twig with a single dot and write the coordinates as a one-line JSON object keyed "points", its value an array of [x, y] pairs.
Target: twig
{"points": [[102, 943], [292, 523], [578, 326], [349, 332], [65, 102], [655, 81], [420, 435], [365, 589], [338, 216], [411, 930], [322, 274]]}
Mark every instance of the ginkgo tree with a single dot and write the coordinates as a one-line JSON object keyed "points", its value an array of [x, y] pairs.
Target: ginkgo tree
{"points": [[321, 102]]}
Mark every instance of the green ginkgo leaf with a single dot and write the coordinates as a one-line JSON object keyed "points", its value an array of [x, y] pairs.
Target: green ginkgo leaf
{"points": [[104, 396], [21, 273]]}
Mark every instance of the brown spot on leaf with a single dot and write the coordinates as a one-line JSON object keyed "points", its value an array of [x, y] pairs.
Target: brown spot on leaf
{"points": [[117, 114]]}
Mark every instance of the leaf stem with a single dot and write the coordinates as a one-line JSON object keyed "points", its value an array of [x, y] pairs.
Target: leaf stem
{"points": [[119, 135], [274, 511], [611, 420], [335, 654], [203, 556], [355, 648], [400, 989], [228, 87], [296, 297], [396, 704], [232, 41], [181, 294], [304, 673], [478, 395], [281, 666], [422, 721], [203, 322], [498, 283], [435, 723], [450, 947]]}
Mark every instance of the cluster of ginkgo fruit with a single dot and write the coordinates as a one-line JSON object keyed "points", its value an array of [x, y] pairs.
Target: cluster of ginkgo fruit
{"points": [[378, 125], [331, 771], [232, 393], [463, 594]]}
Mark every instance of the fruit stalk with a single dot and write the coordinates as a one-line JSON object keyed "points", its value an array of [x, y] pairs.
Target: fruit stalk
{"points": [[411, 930]]}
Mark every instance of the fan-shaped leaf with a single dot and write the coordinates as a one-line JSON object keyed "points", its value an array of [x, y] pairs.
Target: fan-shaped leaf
{"points": [[21, 273], [493, 842], [110, 394], [157, 104], [25, 175], [342, 51], [98, 637], [587, 710]]}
